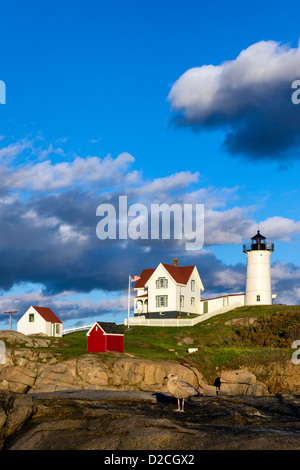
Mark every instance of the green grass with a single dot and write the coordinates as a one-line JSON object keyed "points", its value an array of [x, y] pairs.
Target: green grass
{"points": [[220, 346]]}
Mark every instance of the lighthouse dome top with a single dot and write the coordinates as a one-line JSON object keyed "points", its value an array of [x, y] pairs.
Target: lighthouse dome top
{"points": [[258, 236], [258, 242]]}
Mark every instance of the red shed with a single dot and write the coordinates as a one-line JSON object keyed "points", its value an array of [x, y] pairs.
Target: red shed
{"points": [[105, 336]]}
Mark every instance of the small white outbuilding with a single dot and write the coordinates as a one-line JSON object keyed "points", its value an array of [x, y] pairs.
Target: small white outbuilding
{"points": [[40, 320]]}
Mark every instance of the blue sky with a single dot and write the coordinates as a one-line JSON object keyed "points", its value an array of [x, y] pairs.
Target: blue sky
{"points": [[100, 101]]}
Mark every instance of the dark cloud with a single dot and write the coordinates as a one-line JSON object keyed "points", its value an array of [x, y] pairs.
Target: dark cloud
{"points": [[249, 98]]}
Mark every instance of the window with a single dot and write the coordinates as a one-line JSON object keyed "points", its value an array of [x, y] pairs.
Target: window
{"points": [[192, 285], [182, 301], [258, 298], [225, 301], [192, 300], [161, 283], [31, 317], [57, 329], [161, 301], [205, 307]]}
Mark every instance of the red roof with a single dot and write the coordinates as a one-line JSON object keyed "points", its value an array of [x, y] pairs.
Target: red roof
{"points": [[47, 314], [180, 274], [146, 273]]}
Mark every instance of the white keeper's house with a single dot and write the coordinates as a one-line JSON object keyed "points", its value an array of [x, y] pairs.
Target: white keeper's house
{"points": [[170, 290], [40, 320]]}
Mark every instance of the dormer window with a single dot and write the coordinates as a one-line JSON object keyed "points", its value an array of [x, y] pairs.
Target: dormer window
{"points": [[161, 283]]}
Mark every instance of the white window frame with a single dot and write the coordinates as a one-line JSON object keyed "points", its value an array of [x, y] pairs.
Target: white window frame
{"points": [[162, 283], [161, 301]]}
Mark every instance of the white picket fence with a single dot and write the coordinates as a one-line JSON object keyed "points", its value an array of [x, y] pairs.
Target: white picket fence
{"points": [[76, 328], [142, 321]]}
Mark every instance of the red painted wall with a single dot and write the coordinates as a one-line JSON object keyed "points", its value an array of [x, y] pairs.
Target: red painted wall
{"points": [[97, 341], [115, 343]]}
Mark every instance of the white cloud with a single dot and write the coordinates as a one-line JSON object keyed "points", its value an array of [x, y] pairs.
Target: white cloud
{"points": [[15, 149], [280, 228], [168, 183], [47, 176], [224, 89]]}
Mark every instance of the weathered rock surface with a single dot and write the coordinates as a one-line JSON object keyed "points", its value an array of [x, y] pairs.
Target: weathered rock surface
{"points": [[31, 369], [242, 321], [241, 382], [135, 420], [32, 372]]}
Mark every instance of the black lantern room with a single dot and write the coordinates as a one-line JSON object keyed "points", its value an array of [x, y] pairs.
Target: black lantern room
{"points": [[258, 242]]}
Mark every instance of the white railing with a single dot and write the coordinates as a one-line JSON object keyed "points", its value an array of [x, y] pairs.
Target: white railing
{"points": [[76, 328], [142, 321], [178, 321]]}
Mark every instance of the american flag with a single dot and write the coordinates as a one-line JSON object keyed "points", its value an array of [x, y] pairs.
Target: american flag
{"points": [[135, 278]]}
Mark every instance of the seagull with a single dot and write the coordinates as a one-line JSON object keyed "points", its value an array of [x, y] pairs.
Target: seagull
{"points": [[180, 390]]}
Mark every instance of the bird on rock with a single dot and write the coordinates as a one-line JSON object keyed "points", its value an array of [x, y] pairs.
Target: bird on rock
{"points": [[180, 390]]}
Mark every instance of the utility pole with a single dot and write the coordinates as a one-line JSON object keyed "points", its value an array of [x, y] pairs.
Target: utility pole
{"points": [[11, 312]]}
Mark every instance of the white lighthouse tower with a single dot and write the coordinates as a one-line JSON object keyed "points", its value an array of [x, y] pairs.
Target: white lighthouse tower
{"points": [[258, 282]]}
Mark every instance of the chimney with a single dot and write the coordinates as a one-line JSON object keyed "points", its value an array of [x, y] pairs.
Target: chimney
{"points": [[175, 262]]}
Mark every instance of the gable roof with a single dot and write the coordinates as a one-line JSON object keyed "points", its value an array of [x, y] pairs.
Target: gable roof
{"points": [[180, 274], [146, 273], [109, 328], [47, 314]]}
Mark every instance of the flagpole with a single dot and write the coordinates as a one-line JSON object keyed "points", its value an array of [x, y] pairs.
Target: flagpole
{"points": [[128, 303]]}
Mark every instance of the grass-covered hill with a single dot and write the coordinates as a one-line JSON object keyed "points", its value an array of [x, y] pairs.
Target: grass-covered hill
{"points": [[243, 337]]}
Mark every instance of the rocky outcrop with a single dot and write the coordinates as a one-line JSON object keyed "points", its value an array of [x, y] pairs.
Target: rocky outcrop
{"points": [[24, 372], [33, 368], [246, 321], [241, 382], [34, 372], [135, 420], [15, 411]]}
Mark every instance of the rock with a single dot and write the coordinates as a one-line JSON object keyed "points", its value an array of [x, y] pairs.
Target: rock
{"points": [[91, 371], [186, 341], [242, 321], [9, 336], [59, 376], [135, 420], [16, 378], [238, 376], [21, 411], [241, 382]]}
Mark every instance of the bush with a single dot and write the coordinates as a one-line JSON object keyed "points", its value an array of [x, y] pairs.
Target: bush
{"points": [[278, 330]]}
